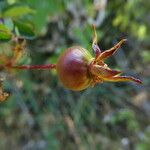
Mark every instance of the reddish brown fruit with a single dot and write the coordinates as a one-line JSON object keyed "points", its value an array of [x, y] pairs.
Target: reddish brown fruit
{"points": [[72, 68]]}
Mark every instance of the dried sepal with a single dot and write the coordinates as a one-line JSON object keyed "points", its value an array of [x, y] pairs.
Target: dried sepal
{"points": [[3, 95], [104, 72], [7, 62], [111, 51], [123, 79], [100, 70], [95, 47], [18, 50]]}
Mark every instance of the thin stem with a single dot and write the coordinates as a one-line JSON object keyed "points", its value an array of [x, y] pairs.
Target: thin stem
{"points": [[47, 66]]}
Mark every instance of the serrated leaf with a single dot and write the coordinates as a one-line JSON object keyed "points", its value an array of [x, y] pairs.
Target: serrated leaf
{"points": [[5, 33], [25, 30], [17, 11]]}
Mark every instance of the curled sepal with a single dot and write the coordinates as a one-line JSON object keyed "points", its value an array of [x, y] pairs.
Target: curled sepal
{"points": [[95, 47], [103, 72], [110, 51], [123, 79]]}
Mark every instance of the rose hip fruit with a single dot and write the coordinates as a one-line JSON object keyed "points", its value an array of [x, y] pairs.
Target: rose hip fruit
{"points": [[73, 68], [77, 69]]}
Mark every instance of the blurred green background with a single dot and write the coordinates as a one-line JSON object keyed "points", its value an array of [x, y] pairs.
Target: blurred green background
{"points": [[41, 114]]}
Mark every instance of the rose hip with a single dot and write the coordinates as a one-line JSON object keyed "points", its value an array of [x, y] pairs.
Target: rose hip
{"points": [[77, 69]]}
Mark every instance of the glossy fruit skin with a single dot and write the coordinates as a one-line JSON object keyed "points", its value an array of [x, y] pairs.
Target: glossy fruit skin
{"points": [[72, 68]]}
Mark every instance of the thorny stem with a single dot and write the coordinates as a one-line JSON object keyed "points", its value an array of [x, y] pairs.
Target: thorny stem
{"points": [[28, 67]]}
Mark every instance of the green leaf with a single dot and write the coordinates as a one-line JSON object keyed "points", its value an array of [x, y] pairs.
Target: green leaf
{"points": [[24, 30], [17, 11], [5, 33]]}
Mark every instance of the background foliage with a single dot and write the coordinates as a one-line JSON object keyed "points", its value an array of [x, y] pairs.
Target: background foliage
{"points": [[40, 113]]}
